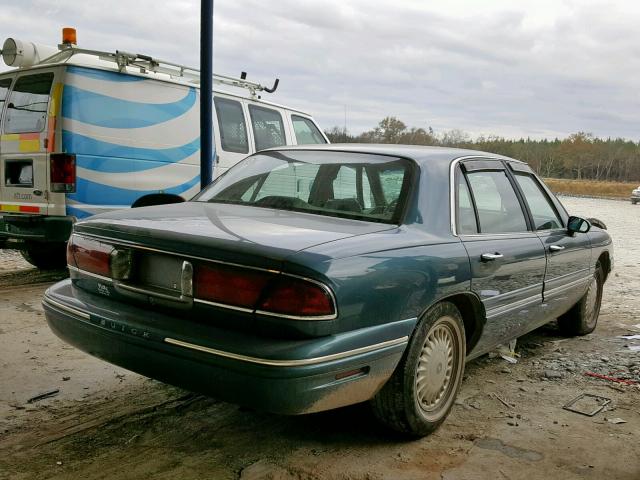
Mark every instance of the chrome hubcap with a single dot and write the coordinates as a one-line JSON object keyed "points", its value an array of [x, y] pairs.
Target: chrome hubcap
{"points": [[436, 366]]}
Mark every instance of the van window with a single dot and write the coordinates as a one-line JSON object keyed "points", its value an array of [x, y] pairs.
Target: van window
{"points": [[27, 107], [268, 128], [5, 83], [296, 181], [306, 131], [233, 129]]}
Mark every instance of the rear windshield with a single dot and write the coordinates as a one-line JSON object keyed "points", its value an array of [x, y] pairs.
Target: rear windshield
{"points": [[336, 184]]}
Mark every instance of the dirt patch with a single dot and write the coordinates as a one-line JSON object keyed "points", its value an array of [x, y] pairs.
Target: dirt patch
{"points": [[508, 422]]}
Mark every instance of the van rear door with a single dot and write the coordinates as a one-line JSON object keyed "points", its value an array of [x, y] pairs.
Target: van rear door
{"points": [[24, 143]]}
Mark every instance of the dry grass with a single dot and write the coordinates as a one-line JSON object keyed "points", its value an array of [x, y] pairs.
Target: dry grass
{"points": [[590, 188]]}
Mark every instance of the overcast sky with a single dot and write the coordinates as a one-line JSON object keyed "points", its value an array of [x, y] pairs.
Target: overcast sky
{"points": [[541, 68]]}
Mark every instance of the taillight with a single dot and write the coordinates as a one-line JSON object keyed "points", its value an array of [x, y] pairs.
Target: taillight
{"points": [[297, 297], [264, 292], [229, 285], [89, 255], [63, 172]]}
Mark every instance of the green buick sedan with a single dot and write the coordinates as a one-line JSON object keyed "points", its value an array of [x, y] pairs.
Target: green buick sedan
{"points": [[309, 278]]}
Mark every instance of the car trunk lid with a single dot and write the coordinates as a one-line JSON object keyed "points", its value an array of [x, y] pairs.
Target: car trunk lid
{"points": [[253, 236]]}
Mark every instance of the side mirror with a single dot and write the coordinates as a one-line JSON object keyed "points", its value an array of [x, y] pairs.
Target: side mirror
{"points": [[578, 225]]}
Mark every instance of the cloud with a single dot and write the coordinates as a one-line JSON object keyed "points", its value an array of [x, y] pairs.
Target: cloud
{"points": [[540, 68]]}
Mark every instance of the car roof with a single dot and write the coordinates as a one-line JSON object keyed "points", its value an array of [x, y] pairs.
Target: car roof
{"points": [[418, 153]]}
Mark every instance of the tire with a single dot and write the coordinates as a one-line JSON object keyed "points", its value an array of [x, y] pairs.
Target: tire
{"points": [[633, 202], [422, 375], [583, 316], [46, 257]]}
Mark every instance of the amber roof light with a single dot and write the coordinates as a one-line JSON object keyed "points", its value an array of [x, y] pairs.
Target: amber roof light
{"points": [[69, 35]]}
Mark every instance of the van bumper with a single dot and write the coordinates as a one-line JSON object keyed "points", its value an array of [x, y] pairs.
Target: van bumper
{"points": [[18, 230], [275, 375]]}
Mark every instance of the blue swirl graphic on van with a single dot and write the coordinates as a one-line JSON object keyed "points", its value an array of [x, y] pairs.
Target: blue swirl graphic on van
{"points": [[105, 111], [93, 149], [104, 74], [91, 192]]}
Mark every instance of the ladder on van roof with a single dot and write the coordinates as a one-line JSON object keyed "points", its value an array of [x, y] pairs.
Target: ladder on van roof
{"points": [[148, 64]]}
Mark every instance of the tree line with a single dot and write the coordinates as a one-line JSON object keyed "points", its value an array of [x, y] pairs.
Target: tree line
{"points": [[579, 156]]}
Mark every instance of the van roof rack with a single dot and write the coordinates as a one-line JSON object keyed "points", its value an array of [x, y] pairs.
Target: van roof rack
{"points": [[148, 64]]}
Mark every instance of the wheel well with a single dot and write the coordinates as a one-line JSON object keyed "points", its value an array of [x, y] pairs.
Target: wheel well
{"points": [[157, 199], [472, 313], [605, 261]]}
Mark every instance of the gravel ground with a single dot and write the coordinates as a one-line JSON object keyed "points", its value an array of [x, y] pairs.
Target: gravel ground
{"points": [[508, 421], [12, 261]]}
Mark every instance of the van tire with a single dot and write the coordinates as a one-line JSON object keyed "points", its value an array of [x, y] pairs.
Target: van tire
{"points": [[46, 256]]}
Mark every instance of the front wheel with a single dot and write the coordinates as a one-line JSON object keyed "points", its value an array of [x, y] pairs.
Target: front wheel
{"points": [[583, 316], [420, 393], [46, 257]]}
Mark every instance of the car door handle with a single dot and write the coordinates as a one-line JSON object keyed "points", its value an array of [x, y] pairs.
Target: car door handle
{"points": [[556, 248], [489, 257]]}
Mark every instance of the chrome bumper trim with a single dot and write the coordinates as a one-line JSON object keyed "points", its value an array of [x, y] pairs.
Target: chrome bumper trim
{"points": [[289, 363], [59, 306]]}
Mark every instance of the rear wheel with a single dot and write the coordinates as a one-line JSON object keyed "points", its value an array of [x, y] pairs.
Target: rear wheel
{"points": [[47, 256], [583, 316], [420, 393]]}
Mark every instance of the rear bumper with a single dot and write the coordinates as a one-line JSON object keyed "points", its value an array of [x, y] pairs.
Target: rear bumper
{"points": [[16, 230], [275, 375]]}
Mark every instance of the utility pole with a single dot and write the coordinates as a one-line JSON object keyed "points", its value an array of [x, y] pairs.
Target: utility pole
{"points": [[206, 92]]}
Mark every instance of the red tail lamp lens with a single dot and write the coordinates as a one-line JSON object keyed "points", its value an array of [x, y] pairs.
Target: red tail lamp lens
{"points": [[292, 296], [229, 285], [63, 172], [89, 255], [263, 291]]}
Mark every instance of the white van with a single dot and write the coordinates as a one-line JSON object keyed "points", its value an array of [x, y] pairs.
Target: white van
{"points": [[84, 132]]}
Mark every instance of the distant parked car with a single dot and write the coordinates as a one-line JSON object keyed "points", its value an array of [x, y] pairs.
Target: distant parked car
{"points": [[307, 279], [635, 196]]}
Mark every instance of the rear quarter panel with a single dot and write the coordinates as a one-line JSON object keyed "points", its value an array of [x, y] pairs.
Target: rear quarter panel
{"points": [[403, 273]]}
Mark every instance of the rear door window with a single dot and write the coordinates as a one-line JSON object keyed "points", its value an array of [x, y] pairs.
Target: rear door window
{"points": [[268, 128], [499, 210], [306, 131], [233, 128], [466, 215], [28, 103], [5, 83]]}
